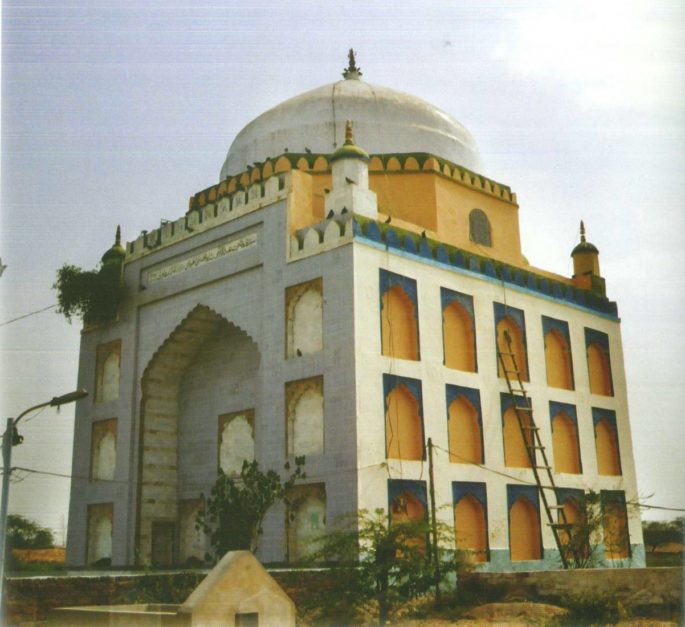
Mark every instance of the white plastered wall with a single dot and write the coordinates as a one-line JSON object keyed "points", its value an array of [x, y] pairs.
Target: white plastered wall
{"points": [[370, 366]]}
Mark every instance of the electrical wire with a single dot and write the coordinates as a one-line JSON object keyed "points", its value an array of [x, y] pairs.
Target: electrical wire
{"points": [[484, 467], [32, 313]]}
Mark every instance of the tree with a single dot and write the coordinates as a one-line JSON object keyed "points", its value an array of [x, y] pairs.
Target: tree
{"points": [[23, 533], [580, 540], [376, 559], [93, 295], [236, 506], [657, 533]]}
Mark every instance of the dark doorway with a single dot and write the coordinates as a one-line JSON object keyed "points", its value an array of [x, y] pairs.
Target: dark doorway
{"points": [[163, 543]]}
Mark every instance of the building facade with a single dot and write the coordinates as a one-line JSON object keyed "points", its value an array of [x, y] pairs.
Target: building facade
{"points": [[342, 293]]}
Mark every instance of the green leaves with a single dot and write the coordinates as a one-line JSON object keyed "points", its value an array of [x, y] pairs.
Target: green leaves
{"points": [[382, 561], [92, 295], [236, 506], [23, 533]]}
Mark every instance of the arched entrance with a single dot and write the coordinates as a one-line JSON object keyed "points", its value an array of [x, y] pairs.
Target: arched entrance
{"points": [[206, 368]]}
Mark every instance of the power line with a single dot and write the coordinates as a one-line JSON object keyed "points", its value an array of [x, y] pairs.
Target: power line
{"points": [[32, 313], [484, 467], [435, 446]]}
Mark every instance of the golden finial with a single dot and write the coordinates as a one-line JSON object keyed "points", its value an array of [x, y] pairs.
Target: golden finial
{"points": [[349, 139], [582, 232], [117, 237]]}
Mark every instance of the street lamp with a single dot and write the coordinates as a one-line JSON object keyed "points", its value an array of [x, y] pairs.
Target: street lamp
{"points": [[9, 439]]}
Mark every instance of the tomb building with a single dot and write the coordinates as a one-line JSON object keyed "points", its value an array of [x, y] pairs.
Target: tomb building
{"points": [[352, 288]]}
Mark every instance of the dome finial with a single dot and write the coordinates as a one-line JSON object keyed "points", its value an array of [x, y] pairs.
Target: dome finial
{"points": [[349, 139], [351, 72], [582, 232], [117, 236]]}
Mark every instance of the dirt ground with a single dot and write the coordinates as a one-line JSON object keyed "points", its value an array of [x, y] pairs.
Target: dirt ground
{"points": [[53, 556]]}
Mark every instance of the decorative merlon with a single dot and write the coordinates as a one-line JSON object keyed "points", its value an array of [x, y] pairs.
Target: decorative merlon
{"points": [[269, 182]]}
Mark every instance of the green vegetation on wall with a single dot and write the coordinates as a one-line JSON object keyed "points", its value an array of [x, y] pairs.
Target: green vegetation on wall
{"points": [[92, 295]]}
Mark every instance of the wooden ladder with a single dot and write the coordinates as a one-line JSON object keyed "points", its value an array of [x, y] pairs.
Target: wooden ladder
{"points": [[531, 438]]}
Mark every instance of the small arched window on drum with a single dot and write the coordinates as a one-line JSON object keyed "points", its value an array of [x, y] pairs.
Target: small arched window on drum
{"points": [[479, 228]]}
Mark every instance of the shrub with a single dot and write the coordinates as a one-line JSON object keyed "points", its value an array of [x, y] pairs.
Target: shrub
{"points": [[594, 609]]}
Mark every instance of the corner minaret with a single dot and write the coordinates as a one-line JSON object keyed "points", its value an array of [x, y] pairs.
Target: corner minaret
{"points": [[586, 266], [350, 168], [117, 252]]}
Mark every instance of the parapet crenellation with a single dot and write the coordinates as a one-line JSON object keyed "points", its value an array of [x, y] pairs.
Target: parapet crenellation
{"points": [[325, 235], [268, 182], [228, 206]]}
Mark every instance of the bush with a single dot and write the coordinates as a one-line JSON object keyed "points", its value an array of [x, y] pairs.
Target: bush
{"points": [[594, 609]]}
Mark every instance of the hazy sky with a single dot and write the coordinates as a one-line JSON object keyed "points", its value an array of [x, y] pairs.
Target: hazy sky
{"points": [[116, 112]]}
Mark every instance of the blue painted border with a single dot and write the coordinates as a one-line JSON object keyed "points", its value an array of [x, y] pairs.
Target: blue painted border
{"points": [[447, 297], [555, 408], [519, 317], [561, 327], [417, 488], [388, 280], [453, 392], [617, 497], [390, 382], [459, 267], [478, 490], [610, 417]]}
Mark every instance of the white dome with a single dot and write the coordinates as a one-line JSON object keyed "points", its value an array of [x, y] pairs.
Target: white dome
{"points": [[385, 121]]}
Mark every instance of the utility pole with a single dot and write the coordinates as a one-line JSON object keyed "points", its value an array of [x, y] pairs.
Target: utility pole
{"points": [[9, 439], [434, 524]]}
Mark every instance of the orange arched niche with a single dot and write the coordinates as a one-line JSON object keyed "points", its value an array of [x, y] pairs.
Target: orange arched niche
{"points": [[403, 425], [574, 514], [398, 324], [558, 361], [606, 444], [470, 527], [524, 530], [515, 452], [464, 432], [458, 338], [508, 325], [599, 370], [407, 507], [615, 524], [565, 444]]}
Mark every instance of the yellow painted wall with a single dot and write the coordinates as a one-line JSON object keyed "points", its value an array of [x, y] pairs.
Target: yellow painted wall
{"points": [[306, 199], [403, 434], [454, 204], [515, 453], [419, 200], [458, 340], [407, 196], [565, 445], [517, 348], [470, 528], [464, 433], [608, 460], [558, 361], [398, 325], [524, 531], [586, 263], [598, 370]]}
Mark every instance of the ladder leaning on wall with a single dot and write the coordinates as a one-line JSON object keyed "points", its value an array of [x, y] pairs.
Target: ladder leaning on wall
{"points": [[531, 439]]}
